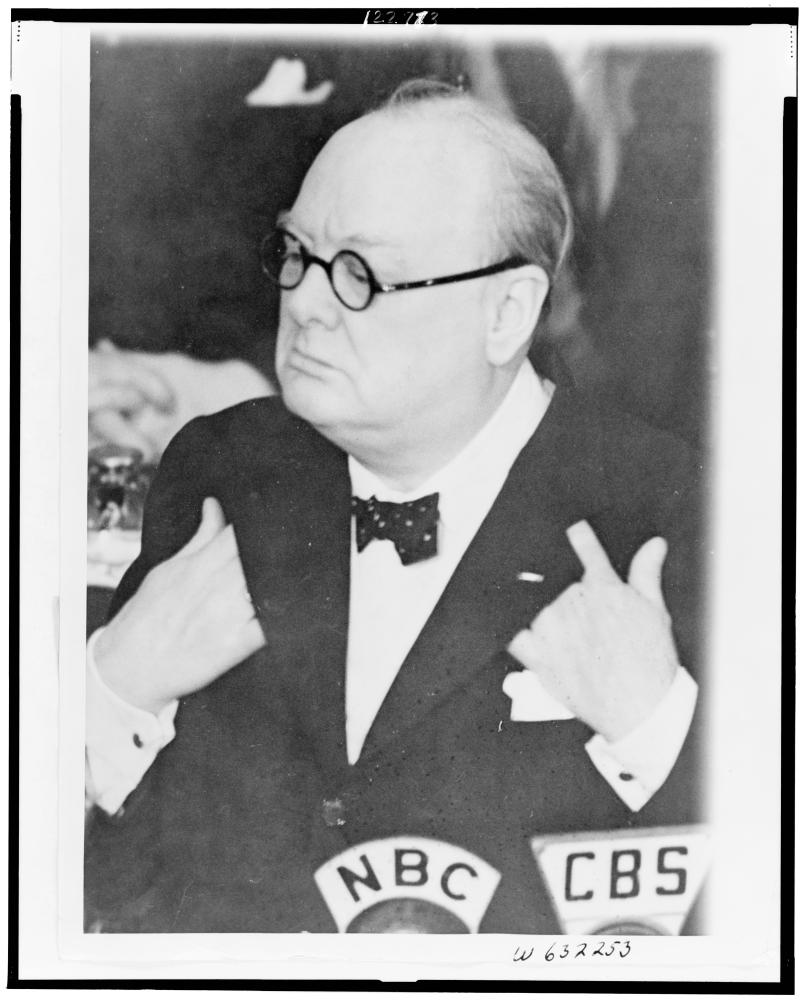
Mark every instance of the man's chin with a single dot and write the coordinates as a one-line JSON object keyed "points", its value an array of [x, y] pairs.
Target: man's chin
{"points": [[312, 400]]}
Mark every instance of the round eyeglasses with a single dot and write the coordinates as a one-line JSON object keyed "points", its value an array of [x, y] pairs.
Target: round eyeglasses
{"points": [[285, 260]]}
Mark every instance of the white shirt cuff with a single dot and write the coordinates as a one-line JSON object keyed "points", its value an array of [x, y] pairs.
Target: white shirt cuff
{"points": [[122, 741], [637, 765]]}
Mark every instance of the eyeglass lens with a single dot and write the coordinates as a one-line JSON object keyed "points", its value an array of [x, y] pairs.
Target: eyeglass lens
{"points": [[285, 260]]}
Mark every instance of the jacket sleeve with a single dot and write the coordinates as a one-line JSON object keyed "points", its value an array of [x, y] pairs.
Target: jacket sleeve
{"points": [[682, 520], [122, 851], [173, 508], [214, 836]]}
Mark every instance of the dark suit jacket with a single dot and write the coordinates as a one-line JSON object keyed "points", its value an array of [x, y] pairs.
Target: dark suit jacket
{"points": [[228, 826]]}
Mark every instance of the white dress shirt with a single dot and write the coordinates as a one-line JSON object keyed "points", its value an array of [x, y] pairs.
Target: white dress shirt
{"points": [[389, 602], [389, 605]]}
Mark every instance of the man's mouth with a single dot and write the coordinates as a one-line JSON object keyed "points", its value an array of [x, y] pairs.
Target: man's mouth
{"points": [[307, 363]]}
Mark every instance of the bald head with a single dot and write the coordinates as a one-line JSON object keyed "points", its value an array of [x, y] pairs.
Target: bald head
{"points": [[442, 141], [405, 175], [418, 202], [530, 214]]}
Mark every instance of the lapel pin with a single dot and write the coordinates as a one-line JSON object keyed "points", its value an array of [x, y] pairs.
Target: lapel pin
{"points": [[526, 577]]}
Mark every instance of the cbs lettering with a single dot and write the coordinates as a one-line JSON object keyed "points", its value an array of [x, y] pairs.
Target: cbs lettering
{"points": [[620, 874]]}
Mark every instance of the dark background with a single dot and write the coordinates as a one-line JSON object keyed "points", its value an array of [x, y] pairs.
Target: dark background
{"points": [[186, 179]]}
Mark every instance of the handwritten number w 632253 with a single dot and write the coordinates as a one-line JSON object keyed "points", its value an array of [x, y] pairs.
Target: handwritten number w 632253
{"points": [[604, 949]]}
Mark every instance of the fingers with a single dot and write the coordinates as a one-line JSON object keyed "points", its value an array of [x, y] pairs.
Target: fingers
{"points": [[123, 378], [590, 552], [228, 580], [212, 523], [110, 427], [645, 571], [104, 346], [153, 386], [532, 652], [117, 397], [525, 648]]}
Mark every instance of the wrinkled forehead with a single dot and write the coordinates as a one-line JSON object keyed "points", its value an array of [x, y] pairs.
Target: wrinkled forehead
{"points": [[399, 179]]}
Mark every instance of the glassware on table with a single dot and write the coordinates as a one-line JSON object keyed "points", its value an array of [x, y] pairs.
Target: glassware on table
{"points": [[118, 481]]}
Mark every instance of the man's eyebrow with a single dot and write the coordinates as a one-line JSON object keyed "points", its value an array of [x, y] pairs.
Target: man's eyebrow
{"points": [[285, 221], [390, 254], [369, 241]]}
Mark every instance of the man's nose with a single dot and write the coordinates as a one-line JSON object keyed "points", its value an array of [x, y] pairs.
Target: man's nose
{"points": [[313, 300]]}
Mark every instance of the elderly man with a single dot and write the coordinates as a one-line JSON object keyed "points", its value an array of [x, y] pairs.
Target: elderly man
{"points": [[419, 597]]}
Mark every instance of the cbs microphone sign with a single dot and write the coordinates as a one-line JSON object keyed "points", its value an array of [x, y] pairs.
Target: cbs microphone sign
{"points": [[624, 881], [407, 884]]}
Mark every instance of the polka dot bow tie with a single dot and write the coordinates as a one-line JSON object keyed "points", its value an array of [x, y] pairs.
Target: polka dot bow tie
{"points": [[411, 527]]}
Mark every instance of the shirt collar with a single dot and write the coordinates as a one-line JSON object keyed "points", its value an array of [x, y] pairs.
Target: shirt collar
{"points": [[479, 470]]}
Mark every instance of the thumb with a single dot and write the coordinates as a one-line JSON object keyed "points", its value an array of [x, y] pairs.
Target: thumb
{"points": [[212, 522], [645, 572]]}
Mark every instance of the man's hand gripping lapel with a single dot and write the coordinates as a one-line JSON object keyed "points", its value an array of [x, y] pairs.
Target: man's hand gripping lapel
{"points": [[604, 648], [190, 621]]}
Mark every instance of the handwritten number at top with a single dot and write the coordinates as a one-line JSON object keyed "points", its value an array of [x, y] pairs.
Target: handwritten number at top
{"points": [[400, 17]]}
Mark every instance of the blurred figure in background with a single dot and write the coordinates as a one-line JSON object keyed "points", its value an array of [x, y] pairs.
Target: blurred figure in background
{"points": [[140, 399], [642, 339]]}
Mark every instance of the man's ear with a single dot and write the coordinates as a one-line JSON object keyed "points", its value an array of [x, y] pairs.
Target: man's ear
{"points": [[515, 310]]}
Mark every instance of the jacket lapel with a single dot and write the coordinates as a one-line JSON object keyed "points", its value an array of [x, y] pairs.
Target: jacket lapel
{"points": [[293, 532], [553, 483]]}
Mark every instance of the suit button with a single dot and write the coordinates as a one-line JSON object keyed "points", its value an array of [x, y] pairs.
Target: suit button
{"points": [[333, 812]]}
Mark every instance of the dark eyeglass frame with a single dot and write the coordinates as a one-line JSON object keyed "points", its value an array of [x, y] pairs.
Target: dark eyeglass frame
{"points": [[376, 287]]}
